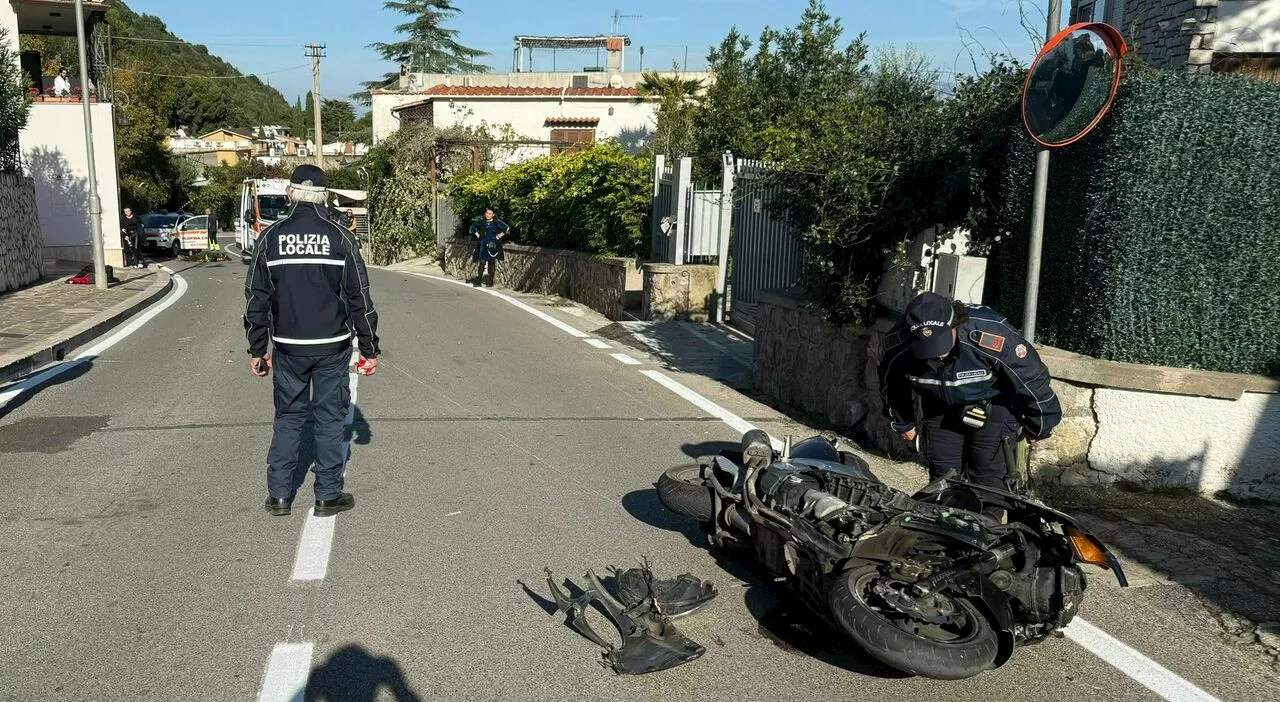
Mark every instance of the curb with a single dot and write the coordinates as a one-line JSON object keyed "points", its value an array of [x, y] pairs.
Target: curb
{"points": [[55, 348]]}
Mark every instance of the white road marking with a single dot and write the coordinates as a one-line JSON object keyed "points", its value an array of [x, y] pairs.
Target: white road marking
{"points": [[453, 514], [287, 673], [625, 359], [537, 313], [737, 423], [1129, 661], [598, 343], [13, 390], [312, 560]]}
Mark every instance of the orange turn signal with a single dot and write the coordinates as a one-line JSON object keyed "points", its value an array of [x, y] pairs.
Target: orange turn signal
{"points": [[1087, 550]]}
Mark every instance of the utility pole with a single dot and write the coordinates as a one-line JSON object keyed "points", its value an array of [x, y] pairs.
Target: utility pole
{"points": [[95, 203], [315, 52], [1036, 243]]}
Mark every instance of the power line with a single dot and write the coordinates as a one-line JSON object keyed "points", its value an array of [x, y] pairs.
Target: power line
{"points": [[173, 75]]}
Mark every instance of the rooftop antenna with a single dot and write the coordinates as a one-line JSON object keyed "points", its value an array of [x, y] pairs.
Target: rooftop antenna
{"points": [[617, 20]]}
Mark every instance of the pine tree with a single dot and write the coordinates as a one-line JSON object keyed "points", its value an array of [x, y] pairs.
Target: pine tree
{"points": [[427, 45]]}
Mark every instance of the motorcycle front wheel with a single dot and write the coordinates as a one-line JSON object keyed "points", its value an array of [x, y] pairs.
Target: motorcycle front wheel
{"points": [[960, 648]]}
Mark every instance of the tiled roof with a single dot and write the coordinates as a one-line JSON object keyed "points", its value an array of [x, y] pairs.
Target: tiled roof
{"points": [[571, 121], [492, 91]]}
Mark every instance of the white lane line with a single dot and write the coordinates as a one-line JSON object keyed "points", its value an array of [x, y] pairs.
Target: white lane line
{"points": [[287, 673], [598, 343], [1129, 661], [312, 561], [737, 423], [535, 312], [1121, 656], [625, 360], [14, 390]]}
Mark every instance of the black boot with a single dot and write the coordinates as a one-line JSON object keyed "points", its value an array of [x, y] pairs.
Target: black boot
{"points": [[279, 506], [493, 271], [342, 503]]}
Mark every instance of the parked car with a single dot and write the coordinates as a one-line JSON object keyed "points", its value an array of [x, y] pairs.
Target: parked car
{"points": [[160, 229]]}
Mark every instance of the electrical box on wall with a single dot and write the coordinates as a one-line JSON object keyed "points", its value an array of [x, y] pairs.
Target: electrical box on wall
{"points": [[960, 277]]}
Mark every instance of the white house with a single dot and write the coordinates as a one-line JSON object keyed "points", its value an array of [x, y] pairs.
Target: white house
{"points": [[558, 117], [53, 144]]}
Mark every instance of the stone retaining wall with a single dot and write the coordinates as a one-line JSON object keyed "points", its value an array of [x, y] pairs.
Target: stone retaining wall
{"points": [[1145, 425], [597, 282], [21, 243]]}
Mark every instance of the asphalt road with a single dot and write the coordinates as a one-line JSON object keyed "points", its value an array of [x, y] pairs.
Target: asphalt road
{"points": [[136, 562]]}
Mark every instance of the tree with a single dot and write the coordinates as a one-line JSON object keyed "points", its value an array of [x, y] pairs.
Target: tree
{"points": [[337, 118], [15, 105], [676, 100], [147, 174], [428, 46]]}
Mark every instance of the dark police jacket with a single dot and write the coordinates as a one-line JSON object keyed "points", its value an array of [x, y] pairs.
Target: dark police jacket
{"points": [[990, 361], [307, 290]]}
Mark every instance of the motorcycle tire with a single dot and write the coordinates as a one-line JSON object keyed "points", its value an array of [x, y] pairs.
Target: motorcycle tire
{"points": [[681, 489], [968, 655]]}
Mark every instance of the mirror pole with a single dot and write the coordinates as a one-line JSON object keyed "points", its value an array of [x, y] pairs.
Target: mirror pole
{"points": [[1040, 195]]}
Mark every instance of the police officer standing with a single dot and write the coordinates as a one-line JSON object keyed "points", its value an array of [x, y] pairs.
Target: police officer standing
{"points": [[979, 384], [490, 232], [307, 293]]}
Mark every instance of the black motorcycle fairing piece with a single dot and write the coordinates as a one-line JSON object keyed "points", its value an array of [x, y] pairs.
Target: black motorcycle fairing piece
{"points": [[674, 598], [650, 642], [995, 605], [816, 448]]}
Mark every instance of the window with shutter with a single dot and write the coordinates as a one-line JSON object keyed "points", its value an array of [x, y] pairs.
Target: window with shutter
{"points": [[566, 140]]}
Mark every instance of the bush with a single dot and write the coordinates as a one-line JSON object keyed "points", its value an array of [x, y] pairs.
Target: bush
{"points": [[15, 105], [401, 226], [1161, 242], [595, 200]]}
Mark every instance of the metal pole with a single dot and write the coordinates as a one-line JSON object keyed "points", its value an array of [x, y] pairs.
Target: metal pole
{"points": [[316, 52], [95, 204], [1040, 195]]}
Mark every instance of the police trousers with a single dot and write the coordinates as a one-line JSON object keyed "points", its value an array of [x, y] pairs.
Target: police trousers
{"points": [[976, 455], [310, 392]]}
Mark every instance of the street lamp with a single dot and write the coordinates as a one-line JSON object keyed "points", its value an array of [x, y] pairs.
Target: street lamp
{"points": [[95, 204]]}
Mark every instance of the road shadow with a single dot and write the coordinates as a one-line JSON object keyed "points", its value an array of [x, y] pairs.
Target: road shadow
{"points": [[353, 674], [358, 432], [645, 506], [33, 384], [708, 350], [795, 629]]}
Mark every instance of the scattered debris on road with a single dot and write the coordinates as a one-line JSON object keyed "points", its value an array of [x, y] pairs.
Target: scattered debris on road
{"points": [[650, 642]]}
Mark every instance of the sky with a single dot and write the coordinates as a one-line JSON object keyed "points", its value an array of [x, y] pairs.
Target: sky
{"points": [[269, 42]]}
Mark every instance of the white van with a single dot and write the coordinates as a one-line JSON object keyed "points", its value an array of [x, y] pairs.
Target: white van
{"points": [[263, 202]]}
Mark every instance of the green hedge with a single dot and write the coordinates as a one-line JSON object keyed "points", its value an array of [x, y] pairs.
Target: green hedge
{"points": [[596, 200], [1162, 233]]}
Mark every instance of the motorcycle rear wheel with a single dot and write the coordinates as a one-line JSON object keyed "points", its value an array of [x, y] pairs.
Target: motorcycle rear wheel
{"points": [[682, 490], [972, 649]]}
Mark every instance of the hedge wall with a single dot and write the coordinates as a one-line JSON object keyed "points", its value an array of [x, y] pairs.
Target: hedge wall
{"points": [[1162, 233]]}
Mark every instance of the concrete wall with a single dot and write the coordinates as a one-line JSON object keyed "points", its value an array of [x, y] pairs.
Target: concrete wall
{"points": [[1151, 426], [599, 283], [1248, 26], [53, 152], [678, 292], [21, 246]]}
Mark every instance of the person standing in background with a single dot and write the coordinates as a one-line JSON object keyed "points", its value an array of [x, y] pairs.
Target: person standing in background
{"points": [[131, 228], [213, 227], [489, 234]]}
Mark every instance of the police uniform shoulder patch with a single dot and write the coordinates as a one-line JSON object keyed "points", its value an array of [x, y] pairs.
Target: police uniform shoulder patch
{"points": [[1021, 351], [990, 341]]}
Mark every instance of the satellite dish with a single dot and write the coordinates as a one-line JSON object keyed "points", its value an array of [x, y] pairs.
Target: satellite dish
{"points": [[615, 81]]}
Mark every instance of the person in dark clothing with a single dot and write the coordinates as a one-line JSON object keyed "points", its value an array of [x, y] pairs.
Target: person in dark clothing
{"points": [[133, 239], [489, 234], [213, 227], [979, 383], [307, 294]]}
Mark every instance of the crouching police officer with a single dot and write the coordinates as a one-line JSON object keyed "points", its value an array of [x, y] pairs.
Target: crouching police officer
{"points": [[307, 293], [979, 384]]}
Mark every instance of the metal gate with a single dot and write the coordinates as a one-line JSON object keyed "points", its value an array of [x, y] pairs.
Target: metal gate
{"points": [[766, 254]]}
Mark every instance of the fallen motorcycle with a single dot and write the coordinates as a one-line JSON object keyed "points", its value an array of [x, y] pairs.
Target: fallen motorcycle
{"points": [[943, 584]]}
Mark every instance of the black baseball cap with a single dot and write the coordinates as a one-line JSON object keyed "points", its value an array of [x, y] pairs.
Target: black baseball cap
{"points": [[929, 318], [307, 174]]}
